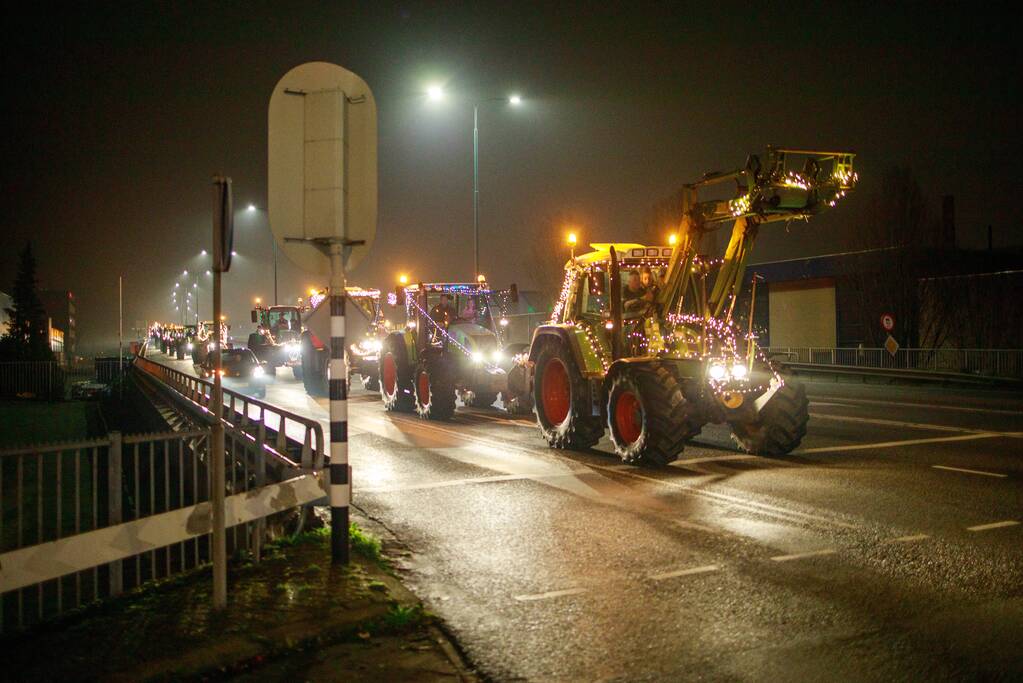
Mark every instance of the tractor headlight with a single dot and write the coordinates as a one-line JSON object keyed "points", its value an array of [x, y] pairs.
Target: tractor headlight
{"points": [[497, 356], [739, 371], [477, 357], [370, 345], [717, 371], [258, 371], [291, 348]]}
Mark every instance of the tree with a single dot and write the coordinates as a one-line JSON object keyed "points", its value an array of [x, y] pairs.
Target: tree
{"points": [[898, 243], [27, 335]]}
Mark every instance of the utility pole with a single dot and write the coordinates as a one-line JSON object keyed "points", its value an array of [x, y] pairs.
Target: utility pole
{"points": [[120, 335], [475, 191]]}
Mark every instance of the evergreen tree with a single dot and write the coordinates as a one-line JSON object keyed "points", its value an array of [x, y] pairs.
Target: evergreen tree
{"points": [[27, 335]]}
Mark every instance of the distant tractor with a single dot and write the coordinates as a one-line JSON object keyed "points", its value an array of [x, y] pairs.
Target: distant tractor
{"points": [[298, 337], [453, 346], [652, 363]]}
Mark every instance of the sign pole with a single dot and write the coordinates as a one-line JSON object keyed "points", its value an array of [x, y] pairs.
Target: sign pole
{"points": [[340, 472]]}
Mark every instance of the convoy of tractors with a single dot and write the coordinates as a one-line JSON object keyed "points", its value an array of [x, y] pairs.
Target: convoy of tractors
{"points": [[642, 343]]}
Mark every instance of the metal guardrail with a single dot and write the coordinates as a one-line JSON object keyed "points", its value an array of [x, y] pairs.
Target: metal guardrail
{"points": [[973, 363], [248, 414]]}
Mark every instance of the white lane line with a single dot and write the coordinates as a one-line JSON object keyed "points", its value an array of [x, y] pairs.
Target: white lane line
{"points": [[800, 556], [914, 425], [993, 525], [963, 469], [713, 458], [909, 539], [470, 480], [685, 572], [897, 444], [550, 594], [930, 406]]}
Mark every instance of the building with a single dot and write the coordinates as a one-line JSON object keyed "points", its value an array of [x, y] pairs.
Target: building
{"points": [[931, 295], [5, 302], [60, 308]]}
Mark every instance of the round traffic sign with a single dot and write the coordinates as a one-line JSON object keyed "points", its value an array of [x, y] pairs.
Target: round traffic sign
{"points": [[888, 322]]}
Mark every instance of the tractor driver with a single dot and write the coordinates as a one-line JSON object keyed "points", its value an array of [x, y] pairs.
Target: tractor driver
{"points": [[443, 313], [636, 297]]}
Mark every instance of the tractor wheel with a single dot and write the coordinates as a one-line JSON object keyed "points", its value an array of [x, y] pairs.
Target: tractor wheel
{"points": [[296, 370], [649, 418], [781, 424], [314, 377], [435, 388], [561, 400], [396, 377], [370, 383]]}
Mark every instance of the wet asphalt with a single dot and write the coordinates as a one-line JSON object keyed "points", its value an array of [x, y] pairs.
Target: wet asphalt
{"points": [[888, 546]]}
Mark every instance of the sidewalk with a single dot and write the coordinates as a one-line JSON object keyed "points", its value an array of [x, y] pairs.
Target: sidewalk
{"points": [[291, 617]]}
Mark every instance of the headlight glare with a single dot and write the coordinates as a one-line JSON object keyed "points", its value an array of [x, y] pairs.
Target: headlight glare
{"points": [[739, 371], [717, 372]]}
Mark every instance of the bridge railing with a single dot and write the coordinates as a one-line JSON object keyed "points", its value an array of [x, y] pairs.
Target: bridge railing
{"points": [[995, 363], [248, 414]]}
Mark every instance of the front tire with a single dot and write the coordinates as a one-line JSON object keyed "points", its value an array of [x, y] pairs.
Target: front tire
{"points": [[780, 426], [396, 376], [370, 383], [561, 400], [649, 418], [435, 388]]}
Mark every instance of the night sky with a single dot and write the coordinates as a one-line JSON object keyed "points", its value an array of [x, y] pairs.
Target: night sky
{"points": [[117, 116]]}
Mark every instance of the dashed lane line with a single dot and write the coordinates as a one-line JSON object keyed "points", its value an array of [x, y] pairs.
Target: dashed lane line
{"points": [[929, 406], [967, 471], [685, 572], [800, 556], [993, 525], [909, 539], [550, 594], [898, 444]]}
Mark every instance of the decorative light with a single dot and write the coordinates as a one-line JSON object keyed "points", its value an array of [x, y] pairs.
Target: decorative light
{"points": [[403, 279]]}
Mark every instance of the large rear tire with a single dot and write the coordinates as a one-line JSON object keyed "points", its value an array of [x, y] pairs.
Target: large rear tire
{"points": [[779, 426], [648, 416], [370, 383], [435, 388], [561, 400], [396, 376]]}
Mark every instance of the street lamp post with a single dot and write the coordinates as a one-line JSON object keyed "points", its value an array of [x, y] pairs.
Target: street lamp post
{"points": [[435, 94], [252, 209]]}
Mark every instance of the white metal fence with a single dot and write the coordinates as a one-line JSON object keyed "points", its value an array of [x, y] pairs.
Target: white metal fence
{"points": [[1003, 363], [85, 520]]}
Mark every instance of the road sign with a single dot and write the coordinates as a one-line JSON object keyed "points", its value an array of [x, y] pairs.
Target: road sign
{"points": [[887, 322], [891, 346], [322, 164]]}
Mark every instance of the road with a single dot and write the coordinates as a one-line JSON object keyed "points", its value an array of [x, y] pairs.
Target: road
{"points": [[889, 546]]}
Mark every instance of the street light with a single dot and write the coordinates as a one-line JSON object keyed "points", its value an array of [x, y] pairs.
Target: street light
{"points": [[252, 208], [571, 239], [435, 94]]}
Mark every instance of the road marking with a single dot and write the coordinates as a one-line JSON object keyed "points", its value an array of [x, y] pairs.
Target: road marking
{"points": [[713, 458], [685, 572], [800, 556], [909, 539], [962, 469], [992, 525], [470, 480], [896, 444], [785, 514], [907, 404], [914, 425], [550, 594]]}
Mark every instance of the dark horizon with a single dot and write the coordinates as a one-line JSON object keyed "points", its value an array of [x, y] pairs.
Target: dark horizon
{"points": [[119, 117]]}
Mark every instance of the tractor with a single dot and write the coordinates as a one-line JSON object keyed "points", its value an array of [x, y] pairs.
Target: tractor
{"points": [[642, 341], [309, 361], [453, 346]]}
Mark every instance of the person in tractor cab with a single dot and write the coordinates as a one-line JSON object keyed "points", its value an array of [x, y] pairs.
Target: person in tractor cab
{"points": [[636, 297], [443, 312]]}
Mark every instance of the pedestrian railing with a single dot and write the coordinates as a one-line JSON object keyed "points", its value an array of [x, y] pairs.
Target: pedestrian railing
{"points": [[997, 363], [282, 427], [86, 520], [38, 379]]}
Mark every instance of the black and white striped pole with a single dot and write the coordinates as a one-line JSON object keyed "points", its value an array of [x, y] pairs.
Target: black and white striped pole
{"points": [[337, 378]]}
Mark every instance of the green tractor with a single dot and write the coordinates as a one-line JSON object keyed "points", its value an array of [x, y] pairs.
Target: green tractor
{"points": [[642, 343], [453, 346]]}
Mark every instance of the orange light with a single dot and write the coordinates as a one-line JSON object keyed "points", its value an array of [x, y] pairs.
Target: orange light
{"points": [[672, 239], [313, 291], [258, 301], [223, 318], [481, 278], [220, 372], [403, 279], [572, 238]]}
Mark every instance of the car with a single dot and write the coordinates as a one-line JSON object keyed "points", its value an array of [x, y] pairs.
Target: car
{"points": [[241, 364]]}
